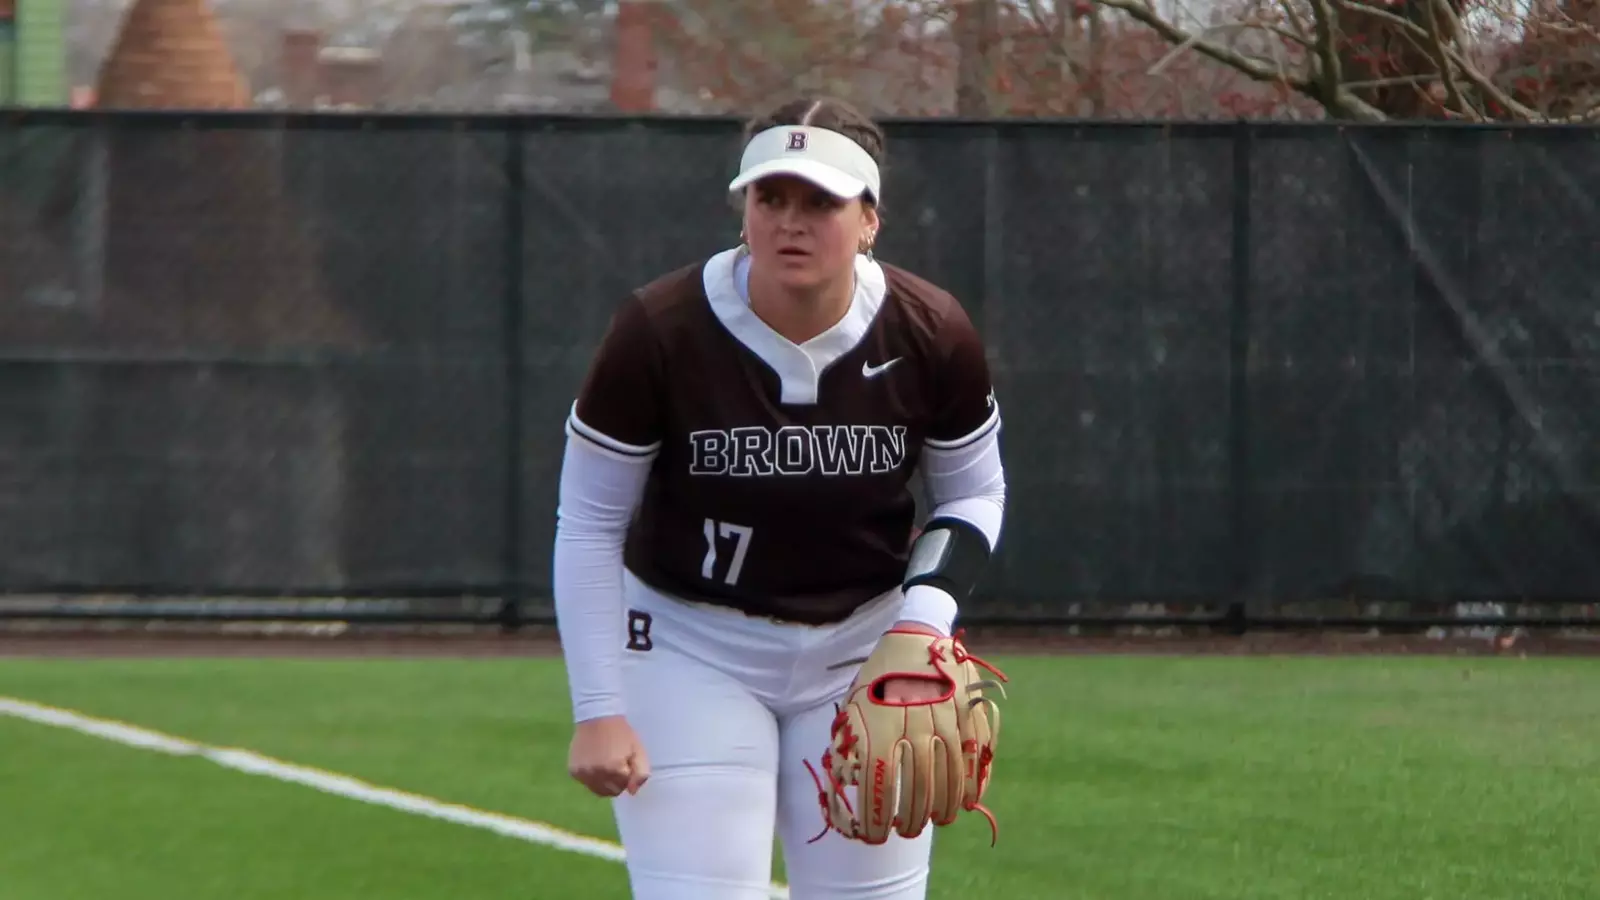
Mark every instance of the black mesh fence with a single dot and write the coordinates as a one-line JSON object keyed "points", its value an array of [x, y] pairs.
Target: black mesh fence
{"points": [[1263, 370]]}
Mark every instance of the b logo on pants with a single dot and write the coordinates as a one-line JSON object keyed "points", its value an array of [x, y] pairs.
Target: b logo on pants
{"points": [[639, 631]]}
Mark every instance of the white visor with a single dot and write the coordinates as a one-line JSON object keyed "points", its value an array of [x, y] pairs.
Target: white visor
{"points": [[825, 158]]}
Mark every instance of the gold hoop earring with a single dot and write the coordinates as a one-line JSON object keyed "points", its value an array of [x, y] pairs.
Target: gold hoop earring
{"points": [[867, 241]]}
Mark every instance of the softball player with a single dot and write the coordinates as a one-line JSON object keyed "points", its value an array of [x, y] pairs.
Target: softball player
{"points": [[735, 525]]}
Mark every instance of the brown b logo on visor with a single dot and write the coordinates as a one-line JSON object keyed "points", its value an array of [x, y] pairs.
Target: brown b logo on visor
{"points": [[797, 140]]}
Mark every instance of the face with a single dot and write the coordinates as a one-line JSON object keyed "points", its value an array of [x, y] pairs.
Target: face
{"points": [[800, 234]]}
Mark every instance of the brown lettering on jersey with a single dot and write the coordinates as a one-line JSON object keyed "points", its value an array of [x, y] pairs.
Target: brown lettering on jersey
{"points": [[754, 451]]}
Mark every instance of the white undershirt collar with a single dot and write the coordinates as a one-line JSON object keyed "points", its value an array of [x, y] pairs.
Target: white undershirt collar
{"points": [[799, 366]]}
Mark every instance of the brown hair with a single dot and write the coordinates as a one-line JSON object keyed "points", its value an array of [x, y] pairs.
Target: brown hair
{"points": [[824, 112]]}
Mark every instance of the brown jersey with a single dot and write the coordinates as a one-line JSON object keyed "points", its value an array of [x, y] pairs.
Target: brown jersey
{"points": [[779, 480]]}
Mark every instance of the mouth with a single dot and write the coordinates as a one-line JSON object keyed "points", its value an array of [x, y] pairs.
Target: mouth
{"points": [[792, 253]]}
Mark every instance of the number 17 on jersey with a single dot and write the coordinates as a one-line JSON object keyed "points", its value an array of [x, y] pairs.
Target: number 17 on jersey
{"points": [[739, 535]]}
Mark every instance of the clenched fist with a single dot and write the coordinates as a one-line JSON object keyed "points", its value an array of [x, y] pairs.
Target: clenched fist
{"points": [[607, 758]]}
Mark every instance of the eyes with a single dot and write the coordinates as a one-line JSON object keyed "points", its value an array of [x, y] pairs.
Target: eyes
{"points": [[809, 198]]}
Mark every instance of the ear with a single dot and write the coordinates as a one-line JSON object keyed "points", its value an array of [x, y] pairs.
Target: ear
{"points": [[869, 217]]}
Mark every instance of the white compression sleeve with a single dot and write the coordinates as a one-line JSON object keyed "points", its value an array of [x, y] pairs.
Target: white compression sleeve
{"points": [[967, 483], [599, 491]]}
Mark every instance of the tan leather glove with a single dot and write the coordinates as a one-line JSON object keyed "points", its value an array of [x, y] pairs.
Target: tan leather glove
{"points": [[911, 764]]}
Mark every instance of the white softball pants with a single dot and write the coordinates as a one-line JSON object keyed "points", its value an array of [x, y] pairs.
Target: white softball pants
{"points": [[729, 708]]}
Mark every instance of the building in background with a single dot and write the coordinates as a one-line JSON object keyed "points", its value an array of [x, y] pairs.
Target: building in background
{"points": [[315, 75], [33, 53]]}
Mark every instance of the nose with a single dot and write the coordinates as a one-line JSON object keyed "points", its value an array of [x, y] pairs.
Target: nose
{"points": [[791, 218]]}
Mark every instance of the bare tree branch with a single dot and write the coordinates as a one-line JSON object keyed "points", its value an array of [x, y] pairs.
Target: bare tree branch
{"points": [[1341, 102], [1398, 21], [1452, 91], [1327, 52], [1478, 79], [1397, 81], [1175, 35], [1287, 35], [1277, 56], [1097, 60], [1177, 50], [1037, 11], [1463, 65], [1295, 20], [1368, 60], [1062, 26]]}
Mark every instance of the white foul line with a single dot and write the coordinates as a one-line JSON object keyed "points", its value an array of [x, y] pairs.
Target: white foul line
{"points": [[324, 781]]}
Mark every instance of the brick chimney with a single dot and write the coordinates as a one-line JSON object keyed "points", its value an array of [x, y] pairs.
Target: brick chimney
{"points": [[633, 69], [171, 54], [297, 67]]}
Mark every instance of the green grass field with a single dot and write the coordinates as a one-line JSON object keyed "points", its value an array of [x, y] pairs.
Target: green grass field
{"points": [[1119, 778]]}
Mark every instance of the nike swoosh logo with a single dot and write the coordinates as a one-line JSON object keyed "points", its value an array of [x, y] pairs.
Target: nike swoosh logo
{"points": [[870, 371]]}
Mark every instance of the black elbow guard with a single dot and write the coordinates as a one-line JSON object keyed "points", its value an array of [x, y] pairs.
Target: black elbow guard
{"points": [[951, 555]]}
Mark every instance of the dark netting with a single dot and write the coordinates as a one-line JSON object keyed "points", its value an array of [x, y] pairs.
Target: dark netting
{"points": [[934, 214], [1423, 381], [253, 477], [45, 264], [1107, 304], [339, 356], [411, 231], [254, 359], [1331, 310], [1501, 448]]}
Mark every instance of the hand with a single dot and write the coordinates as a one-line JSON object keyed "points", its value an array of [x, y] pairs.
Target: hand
{"points": [[607, 758], [914, 690]]}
